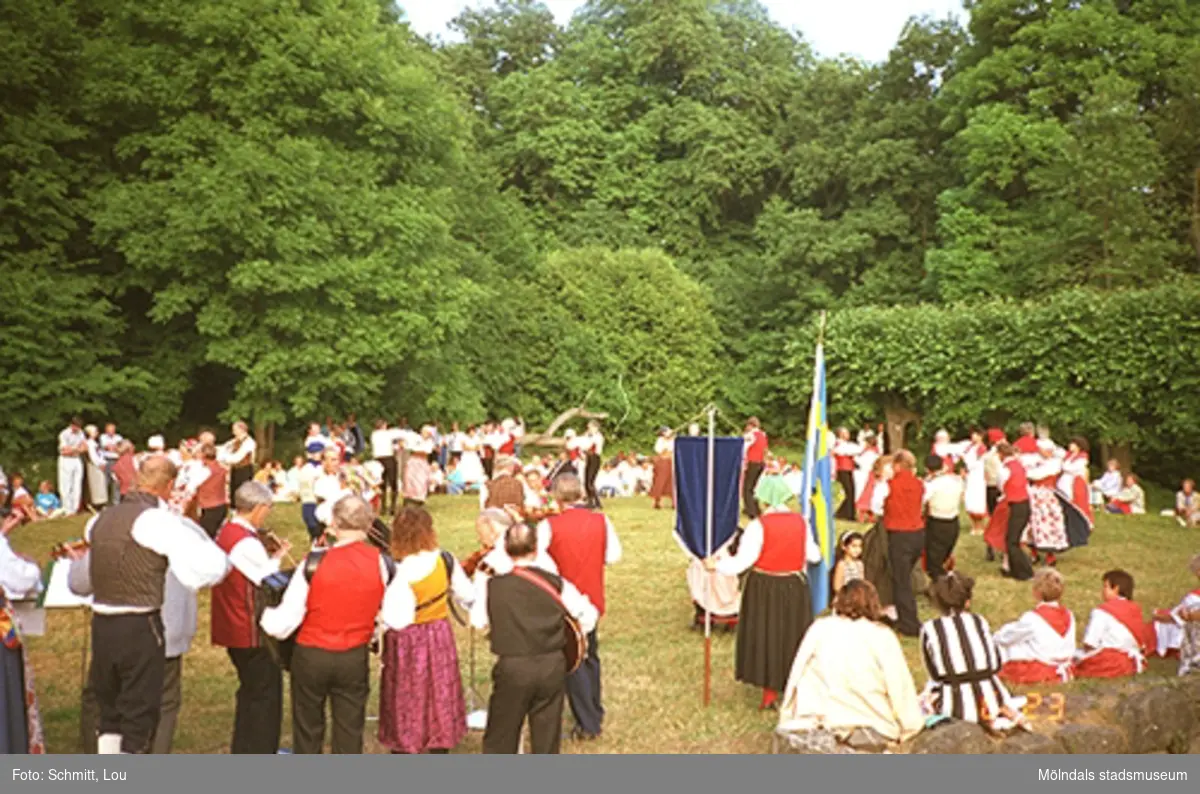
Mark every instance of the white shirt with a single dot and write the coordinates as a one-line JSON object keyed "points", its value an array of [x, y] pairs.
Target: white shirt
{"points": [[943, 495], [244, 455], [329, 491], [664, 445], [1105, 631], [577, 603], [70, 439], [192, 475], [282, 621], [192, 556], [95, 456], [612, 545], [383, 442], [18, 577], [249, 556], [456, 441], [751, 546], [879, 495], [413, 569], [1032, 639], [108, 444]]}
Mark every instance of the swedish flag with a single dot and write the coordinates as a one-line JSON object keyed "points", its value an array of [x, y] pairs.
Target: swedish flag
{"points": [[816, 493]]}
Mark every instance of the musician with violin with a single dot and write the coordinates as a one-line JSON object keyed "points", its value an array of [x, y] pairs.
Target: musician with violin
{"points": [[20, 726], [237, 605], [526, 608]]}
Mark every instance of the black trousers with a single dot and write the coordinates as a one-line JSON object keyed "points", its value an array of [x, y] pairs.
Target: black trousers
{"points": [[390, 484], [489, 463], [749, 503], [212, 518], [583, 690], [526, 686], [259, 713], [1019, 566], [904, 550], [128, 669], [339, 678], [591, 468], [846, 510], [237, 476], [941, 534], [993, 496], [168, 718]]}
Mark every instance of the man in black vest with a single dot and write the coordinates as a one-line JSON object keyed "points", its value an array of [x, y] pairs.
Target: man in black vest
{"points": [[529, 679], [132, 545]]}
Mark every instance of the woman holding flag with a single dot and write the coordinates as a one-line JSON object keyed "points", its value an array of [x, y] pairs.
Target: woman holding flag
{"points": [[776, 606]]}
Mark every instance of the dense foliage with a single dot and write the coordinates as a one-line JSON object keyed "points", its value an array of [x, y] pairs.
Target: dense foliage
{"points": [[280, 209]]}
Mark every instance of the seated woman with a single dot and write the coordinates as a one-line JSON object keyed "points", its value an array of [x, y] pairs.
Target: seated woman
{"points": [[1039, 647], [1177, 630], [1108, 485], [962, 660], [1187, 505], [1117, 639], [849, 674], [1130, 500], [20, 502]]}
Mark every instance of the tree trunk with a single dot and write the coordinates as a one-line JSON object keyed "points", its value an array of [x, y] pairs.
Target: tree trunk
{"points": [[1123, 452], [261, 444], [897, 417]]}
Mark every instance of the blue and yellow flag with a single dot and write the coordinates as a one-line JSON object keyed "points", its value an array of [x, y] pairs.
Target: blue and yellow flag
{"points": [[816, 491]]}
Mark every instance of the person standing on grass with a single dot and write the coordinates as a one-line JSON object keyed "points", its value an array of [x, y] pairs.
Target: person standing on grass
{"points": [[383, 447], [905, 526], [237, 605], [942, 497], [72, 452], [20, 720], [756, 456], [844, 453], [237, 455], [582, 543], [133, 545], [421, 707], [776, 607], [212, 491], [526, 636], [330, 605], [1007, 524]]}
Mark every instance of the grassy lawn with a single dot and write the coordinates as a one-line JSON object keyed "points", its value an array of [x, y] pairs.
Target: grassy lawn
{"points": [[653, 662]]}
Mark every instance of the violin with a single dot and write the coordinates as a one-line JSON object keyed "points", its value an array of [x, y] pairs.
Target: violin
{"points": [[472, 563], [270, 541]]}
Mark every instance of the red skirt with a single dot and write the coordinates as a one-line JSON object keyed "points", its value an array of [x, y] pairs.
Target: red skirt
{"points": [[1107, 663], [996, 534], [663, 486], [1031, 672]]}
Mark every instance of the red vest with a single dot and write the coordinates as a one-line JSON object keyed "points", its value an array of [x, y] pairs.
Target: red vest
{"points": [[757, 450], [1026, 445], [233, 616], [843, 462], [126, 473], [214, 491], [578, 545], [1016, 488], [508, 447], [785, 541], [902, 508], [343, 599]]}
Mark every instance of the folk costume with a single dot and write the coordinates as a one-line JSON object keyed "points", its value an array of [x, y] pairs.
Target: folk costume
{"points": [[592, 448], [905, 525], [237, 455], [663, 484], [529, 679], [20, 720], [1047, 528], [1074, 482], [212, 497], [942, 496], [237, 607], [1116, 641], [776, 607], [963, 664], [470, 466], [582, 543], [991, 469], [755, 456], [1180, 636], [333, 618], [975, 496], [132, 546], [844, 452], [1039, 647], [1007, 523], [864, 465], [421, 706]]}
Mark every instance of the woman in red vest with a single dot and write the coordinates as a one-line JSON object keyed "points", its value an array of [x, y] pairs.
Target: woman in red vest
{"points": [[421, 707], [236, 608], [776, 606], [212, 493]]}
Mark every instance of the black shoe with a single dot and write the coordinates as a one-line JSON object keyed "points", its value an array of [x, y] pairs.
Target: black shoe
{"points": [[991, 554], [580, 735]]}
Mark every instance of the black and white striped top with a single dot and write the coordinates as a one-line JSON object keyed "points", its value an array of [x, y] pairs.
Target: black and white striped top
{"points": [[962, 661]]}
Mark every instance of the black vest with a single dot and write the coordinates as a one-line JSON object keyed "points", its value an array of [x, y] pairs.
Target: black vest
{"points": [[525, 620], [125, 573]]}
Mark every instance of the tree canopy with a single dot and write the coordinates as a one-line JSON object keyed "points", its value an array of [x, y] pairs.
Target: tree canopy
{"points": [[281, 209]]}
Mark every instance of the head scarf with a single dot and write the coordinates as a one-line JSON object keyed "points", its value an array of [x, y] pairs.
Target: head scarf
{"points": [[773, 491], [995, 435]]}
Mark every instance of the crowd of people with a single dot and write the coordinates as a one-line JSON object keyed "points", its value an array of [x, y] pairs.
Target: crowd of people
{"points": [[375, 579]]}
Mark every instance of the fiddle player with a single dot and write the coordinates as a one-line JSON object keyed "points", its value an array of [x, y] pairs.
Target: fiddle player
{"points": [[529, 679], [236, 608]]}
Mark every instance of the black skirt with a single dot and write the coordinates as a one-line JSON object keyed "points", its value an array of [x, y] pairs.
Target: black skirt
{"points": [[776, 611]]}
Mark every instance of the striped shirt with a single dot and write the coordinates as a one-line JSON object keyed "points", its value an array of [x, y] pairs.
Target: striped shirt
{"points": [[962, 662]]}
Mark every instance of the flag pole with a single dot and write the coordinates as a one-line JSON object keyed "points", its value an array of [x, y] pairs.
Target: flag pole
{"points": [[708, 549]]}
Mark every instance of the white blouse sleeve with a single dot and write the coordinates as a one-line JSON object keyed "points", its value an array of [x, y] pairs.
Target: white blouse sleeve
{"points": [[749, 547]]}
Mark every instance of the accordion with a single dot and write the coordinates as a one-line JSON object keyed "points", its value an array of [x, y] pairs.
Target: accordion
{"points": [[270, 594]]}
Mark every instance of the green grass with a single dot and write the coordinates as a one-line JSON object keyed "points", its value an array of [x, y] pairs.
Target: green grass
{"points": [[653, 662]]}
